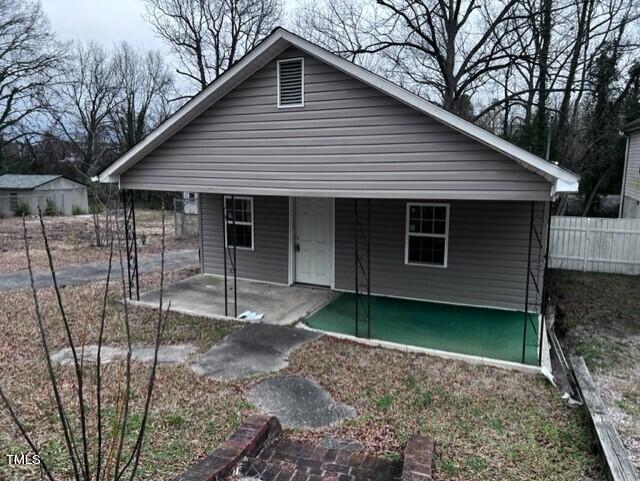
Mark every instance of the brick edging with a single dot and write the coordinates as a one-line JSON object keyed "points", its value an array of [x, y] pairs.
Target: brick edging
{"points": [[418, 459], [246, 440]]}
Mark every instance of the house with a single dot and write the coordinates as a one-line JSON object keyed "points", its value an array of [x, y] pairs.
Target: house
{"points": [[320, 172], [630, 195], [35, 190]]}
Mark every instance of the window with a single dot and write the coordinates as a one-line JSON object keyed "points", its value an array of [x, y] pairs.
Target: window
{"points": [[13, 201], [426, 235], [242, 210], [291, 83]]}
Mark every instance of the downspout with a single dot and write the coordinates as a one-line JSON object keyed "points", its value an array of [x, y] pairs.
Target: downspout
{"points": [[624, 175]]}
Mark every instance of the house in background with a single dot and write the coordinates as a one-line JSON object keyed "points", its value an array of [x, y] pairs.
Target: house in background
{"points": [[35, 190], [630, 195], [314, 171]]}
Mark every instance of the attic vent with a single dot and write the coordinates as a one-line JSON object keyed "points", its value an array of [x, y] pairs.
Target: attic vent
{"points": [[291, 83]]}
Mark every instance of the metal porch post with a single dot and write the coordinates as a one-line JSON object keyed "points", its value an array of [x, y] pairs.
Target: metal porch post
{"points": [[356, 289], [368, 268], [131, 241], [135, 246], [226, 248], [543, 302], [235, 246], [362, 269], [224, 252], [126, 237], [526, 295]]}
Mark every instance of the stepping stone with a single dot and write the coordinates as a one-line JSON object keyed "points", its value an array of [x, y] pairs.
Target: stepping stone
{"points": [[298, 402], [169, 354], [254, 349]]}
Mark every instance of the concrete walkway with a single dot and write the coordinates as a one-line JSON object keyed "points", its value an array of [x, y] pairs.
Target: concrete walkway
{"points": [[298, 402], [254, 349], [167, 354], [97, 271]]}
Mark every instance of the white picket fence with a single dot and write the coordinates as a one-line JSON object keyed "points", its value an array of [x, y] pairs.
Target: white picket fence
{"points": [[595, 244]]}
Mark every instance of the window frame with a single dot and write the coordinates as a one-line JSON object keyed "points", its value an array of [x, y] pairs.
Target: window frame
{"points": [[444, 236], [285, 60], [13, 201], [227, 222]]}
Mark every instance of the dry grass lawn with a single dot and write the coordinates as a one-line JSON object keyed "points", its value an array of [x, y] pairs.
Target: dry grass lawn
{"points": [[72, 239], [600, 320], [488, 423]]}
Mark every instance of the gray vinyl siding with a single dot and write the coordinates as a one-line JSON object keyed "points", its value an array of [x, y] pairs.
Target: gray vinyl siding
{"points": [[349, 140], [487, 258], [269, 259], [632, 182], [631, 208]]}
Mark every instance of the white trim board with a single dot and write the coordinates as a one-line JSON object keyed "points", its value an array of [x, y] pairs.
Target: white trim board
{"points": [[563, 180], [485, 361], [291, 273]]}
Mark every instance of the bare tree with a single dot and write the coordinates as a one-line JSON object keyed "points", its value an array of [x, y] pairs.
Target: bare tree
{"points": [[93, 452], [208, 36], [445, 49], [344, 28], [144, 83], [28, 60], [83, 103]]}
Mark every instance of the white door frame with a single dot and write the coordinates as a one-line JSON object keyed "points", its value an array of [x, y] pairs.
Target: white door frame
{"points": [[292, 242]]}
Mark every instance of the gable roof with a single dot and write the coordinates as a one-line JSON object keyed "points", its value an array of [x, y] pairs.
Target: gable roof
{"points": [[281, 39], [22, 182], [631, 126]]}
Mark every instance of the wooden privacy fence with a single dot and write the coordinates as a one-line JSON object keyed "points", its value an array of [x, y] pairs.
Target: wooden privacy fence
{"points": [[595, 244]]}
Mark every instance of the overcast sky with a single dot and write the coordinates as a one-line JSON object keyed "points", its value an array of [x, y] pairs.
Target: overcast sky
{"points": [[107, 21]]}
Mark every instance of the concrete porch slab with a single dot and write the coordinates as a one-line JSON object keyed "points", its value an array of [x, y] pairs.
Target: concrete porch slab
{"points": [[203, 295]]}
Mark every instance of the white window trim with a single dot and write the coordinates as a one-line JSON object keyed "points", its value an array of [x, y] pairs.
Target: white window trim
{"points": [[285, 60], [444, 236], [226, 222]]}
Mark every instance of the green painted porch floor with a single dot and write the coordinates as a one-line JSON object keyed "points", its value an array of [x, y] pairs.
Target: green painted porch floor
{"points": [[490, 333]]}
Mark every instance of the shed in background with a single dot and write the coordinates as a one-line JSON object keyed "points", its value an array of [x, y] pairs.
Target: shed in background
{"points": [[34, 190]]}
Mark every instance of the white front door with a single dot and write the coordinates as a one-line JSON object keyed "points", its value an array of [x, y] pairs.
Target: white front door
{"points": [[313, 240]]}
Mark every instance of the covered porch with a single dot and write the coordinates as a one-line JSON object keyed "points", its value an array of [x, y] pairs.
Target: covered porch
{"points": [[337, 263], [490, 334]]}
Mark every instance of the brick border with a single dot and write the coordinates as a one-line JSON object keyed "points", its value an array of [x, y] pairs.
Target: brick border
{"points": [[418, 459], [247, 439]]}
